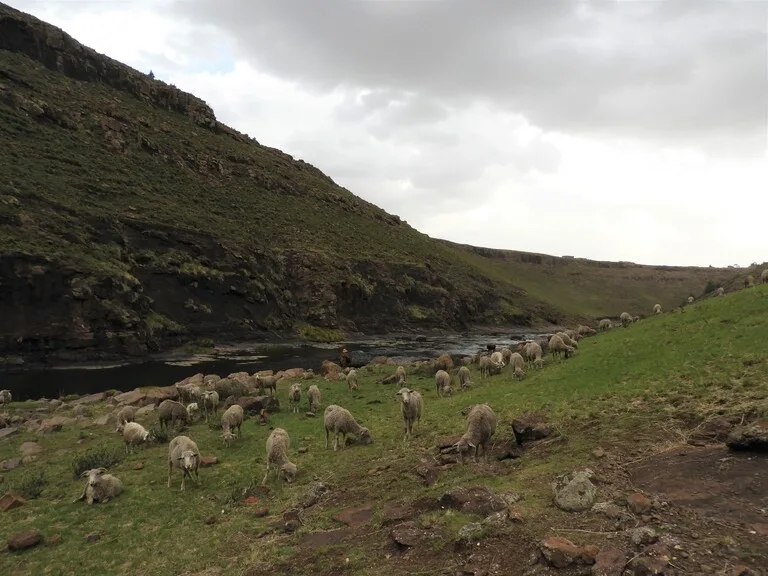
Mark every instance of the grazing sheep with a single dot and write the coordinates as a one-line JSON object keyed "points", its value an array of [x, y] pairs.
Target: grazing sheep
{"points": [[193, 410], [5, 397], [557, 347], [313, 398], [690, 299], [443, 362], [505, 354], [572, 334], [465, 378], [184, 455], [657, 308], [516, 361], [400, 373], [340, 421], [232, 419], [498, 358], [568, 340], [764, 276], [125, 415], [133, 433], [188, 393], [626, 319], [488, 367], [532, 352], [267, 382], [749, 281], [442, 379], [277, 454], [210, 404], [481, 425], [585, 330], [720, 291], [518, 373], [410, 407], [352, 381], [171, 411], [294, 397], [604, 324], [100, 487]]}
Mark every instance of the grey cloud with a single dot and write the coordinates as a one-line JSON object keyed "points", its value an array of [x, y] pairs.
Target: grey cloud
{"points": [[687, 69]]}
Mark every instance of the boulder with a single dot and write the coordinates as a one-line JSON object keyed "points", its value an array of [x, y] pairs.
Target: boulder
{"points": [[132, 398], [23, 540], [9, 501], [749, 437], [89, 399], [575, 492], [530, 427]]}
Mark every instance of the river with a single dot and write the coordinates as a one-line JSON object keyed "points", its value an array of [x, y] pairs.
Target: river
{"points": [[165, 370]]}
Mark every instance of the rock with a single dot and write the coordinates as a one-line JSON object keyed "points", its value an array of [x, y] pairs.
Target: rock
{"points": [[609, 562], [559, 552], [54, 424], [589, 554], [144, 410], [530, 427], [138, 466], [612, 511], [408, 535], [447, 442], [10, 464], [497, 519], [598, 453], [82, 410], [55, 540], [471, 531], [206, 461], [132, 398], [102, 420], [639, 503], [302, 450], [741, 570], [428, 473], [716, 430], [157, 395], [209, 520], [6, 432], [9, 501], [89, 399], [261, 512], [32, 458], [24, 540], [478, 500], [254, 404], [355, 517], [575, 492], [315, 492], [749, 437], [30, 448], [93, 537], [309, 414], [643, 536], [645, 566], [394, 512]]}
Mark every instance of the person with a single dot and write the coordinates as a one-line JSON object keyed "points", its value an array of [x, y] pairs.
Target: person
{"points": [[345, 360]]}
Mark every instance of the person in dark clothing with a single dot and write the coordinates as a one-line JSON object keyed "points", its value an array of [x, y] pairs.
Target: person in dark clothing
{"points": [[345, 360]]}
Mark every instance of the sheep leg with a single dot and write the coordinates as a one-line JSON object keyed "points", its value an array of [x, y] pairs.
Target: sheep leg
{"points": [[266, 475], [170, 468], [197, 476], [82, 497], [326, 438], [335, 441]]}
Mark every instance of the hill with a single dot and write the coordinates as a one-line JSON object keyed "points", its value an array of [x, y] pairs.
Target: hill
{"points": [[131, 220], [646, 408]]}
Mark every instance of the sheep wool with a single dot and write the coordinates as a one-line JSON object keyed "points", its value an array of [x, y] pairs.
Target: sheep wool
{"points": [[184, 455], [481, 426], [340, 421], [277, 446], [410, 408]]}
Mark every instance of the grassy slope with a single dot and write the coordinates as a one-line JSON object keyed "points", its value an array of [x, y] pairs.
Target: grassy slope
{"points": [[653, 382]]}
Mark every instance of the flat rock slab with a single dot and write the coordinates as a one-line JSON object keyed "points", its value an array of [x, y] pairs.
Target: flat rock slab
{"points": [[90, 399], [6, 432], [355, 517], [325, 538], [23, 540], [10, 464], [9, 501], [30, 448]]}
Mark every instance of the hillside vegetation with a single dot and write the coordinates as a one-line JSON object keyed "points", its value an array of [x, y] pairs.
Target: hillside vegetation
{"points": [[632, 405], [132, 220]]}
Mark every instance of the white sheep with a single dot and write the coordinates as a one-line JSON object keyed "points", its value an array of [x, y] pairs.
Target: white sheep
{"points": [[720, 291], [5, 397], [340, 421], [568, 340], [171, 411], [125, 415], [505, 354], [604, 324], [518, 373], [294, 397], [400, 373], [410, 407], [100, 487], [352, 381], [690, 299], [557, 347], [533, 353], [277, 445], [193, 410], [498, 358], [188, 392], [516, 361], [481, 425], [465, 378], [488, 367], [210, 404], [183, 454], [585, 330], [626, 319], [267, 382], [657, 308], [133, 433], [313, 397], [442, 380], [764, 276], [232, 419]]}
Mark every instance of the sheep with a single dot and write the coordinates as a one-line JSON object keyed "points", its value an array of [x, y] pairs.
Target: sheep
{"points": [[516, 361], [5, 397], [720, 291], [604, 324], [313, 398], [505, 354], [690, 299], [568, 340], [100, 487], [277, 445], [341, 421], [533, 352], [210, 404], [183, 454], [352, 381], [481, 425], [557, 346], [400, 373], [193, 410], [764, 276], [267, 382], [657, 308], [518, 373], [294, 397], [572, 334], [232, 420], [626, 319], [170, 410], [488, 367], [585, 330], [749, 281], [410, 407], [133, 433], [188, 392], [464, 378], [125, 415], [448, 390], [498, 358], [442, 379]]}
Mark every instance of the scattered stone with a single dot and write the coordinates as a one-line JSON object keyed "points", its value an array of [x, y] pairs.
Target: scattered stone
{"points": [[209, 520], [446, 443], [749, 437], [530, 427], [133, 397], [293, 518], [612, 511], [93, 537], [82, 410], [261, 512], [309, 414], [207, 461], [144, 410], [646, 566], [639, 503], [303, 450], [355, 517], [575, 492], [394, 512], [428, 473], [742, 570], [478, 500], [10, 464], [6, 432], [30, 448], [497, 519], [24, 540], [598, 453], [643, 536], [54, 540], [559, 552], [408, 535], [315, 492], [50, 425], [471, 531], [31, 458], [138, 466], [706, 569], [589, 554], [89, 399], [609, 562], [9, 501], [102, 420]]}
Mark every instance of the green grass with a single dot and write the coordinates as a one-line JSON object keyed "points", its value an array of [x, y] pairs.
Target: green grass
{"points": [[318, 334], [649, 383]]}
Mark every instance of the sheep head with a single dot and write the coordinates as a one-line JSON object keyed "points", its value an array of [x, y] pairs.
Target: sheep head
{"points": [[93, 475], [228, 437], [189, 459], [288, 471], [365, 436], [405, 395]]}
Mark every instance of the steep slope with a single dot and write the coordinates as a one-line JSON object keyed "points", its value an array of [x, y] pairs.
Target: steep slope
{"points": [[131, 220]]}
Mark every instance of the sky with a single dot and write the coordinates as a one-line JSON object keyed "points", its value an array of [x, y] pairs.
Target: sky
{"points": [[613, 130]]}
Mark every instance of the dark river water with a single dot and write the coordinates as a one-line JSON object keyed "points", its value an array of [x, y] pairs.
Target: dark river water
{"points": [[34, 383]]}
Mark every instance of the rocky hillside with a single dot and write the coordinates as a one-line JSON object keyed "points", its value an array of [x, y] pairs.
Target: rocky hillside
{"points": [[131, 220]]}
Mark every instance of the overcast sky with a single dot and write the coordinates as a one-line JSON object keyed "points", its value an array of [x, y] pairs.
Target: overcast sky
{"points": [[621, 130]]}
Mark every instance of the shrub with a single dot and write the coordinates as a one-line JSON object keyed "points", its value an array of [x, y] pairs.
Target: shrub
{"points": [[214, 421], [159, 435], [98, 458], [31, 485]]}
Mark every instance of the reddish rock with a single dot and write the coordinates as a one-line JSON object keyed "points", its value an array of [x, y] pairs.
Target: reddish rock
{"points": [[395, 512], [54, 540], [609, 562], [478, 500], [206, 461], [90, 399], [138, 466], [133, 397], [645, 566], [54, 424], [355, 517], [251, 500], [30, 448], [589, 554], [560, 552], [23, 540], [9, 501], [261, 512], [639, 503], [157, 395]]}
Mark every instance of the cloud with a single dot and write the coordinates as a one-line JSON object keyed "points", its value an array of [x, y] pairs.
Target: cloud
{"points": [[609, 130]]}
